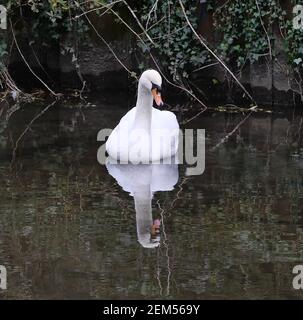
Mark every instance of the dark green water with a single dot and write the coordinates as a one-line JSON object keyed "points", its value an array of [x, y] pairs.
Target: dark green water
{"points": [[68, 230]]}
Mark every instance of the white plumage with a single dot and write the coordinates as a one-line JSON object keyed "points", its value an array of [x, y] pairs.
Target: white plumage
{"points": [[145, 134]]}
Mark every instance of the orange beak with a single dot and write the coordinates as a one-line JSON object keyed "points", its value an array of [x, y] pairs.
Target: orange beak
{"points": [[157, 97]]}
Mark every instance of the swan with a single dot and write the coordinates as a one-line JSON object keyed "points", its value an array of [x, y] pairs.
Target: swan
{"points": [[141, 181], [145, 134]]}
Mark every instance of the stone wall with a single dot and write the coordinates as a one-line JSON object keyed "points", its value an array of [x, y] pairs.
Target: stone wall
{"points": [[269, 84]]}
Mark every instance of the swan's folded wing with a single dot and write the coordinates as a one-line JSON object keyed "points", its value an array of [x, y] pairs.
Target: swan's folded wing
{"points": [[118, 135], [164, 120], [165, 134]]}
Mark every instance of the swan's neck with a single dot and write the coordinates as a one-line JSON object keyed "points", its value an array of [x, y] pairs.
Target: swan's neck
{"points": [[143, 214], [144, 107]]}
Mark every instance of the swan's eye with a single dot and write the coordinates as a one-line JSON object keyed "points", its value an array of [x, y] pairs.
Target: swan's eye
{"points": [[155, 86]]}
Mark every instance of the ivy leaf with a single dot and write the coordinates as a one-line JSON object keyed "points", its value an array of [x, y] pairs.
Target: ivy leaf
{"points": [[298, 60], [133, 74]]}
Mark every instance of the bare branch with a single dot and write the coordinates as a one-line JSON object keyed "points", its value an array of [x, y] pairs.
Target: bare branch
{"points": [[108, 46], [156, 63], [27, 128], [27, 64], [138, 22], [263, 26], [223, 140]]}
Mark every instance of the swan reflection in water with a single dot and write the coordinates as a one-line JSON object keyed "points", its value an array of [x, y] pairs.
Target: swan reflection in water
{"points": [[142, 181]]}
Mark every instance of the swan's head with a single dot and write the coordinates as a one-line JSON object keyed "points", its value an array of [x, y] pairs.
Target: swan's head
{"points": [[151, 81]]}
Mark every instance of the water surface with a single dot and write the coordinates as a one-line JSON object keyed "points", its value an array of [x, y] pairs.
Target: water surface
{"points": [[68, 229]]}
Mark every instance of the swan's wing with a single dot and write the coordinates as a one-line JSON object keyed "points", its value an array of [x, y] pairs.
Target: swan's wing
{"points": [[112, 146], [128, 118], [130, 177], [165, 134], [164, 177], [164, 120]]}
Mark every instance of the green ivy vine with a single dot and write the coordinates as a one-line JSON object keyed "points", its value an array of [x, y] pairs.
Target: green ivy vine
{"points": [[249, 29], [173, 38]]}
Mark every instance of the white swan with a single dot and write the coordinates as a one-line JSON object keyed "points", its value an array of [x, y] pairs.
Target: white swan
{"points": [[142, 181], [145, 134]]}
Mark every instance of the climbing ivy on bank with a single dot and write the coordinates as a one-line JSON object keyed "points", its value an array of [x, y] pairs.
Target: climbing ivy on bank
{"points": [[45, 22], [246, 30], [250, 28], [173, 38], [294, 43]]}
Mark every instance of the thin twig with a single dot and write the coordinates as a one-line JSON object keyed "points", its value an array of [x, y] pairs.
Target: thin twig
{"points": [[156, 63], [138, 22], [165, 243], [27, 128], [178, 86], [207, 66], [27, 64], [154, 8], [223, 140], [107, 6], [194, 117], [108, 46], [263, 26]]}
